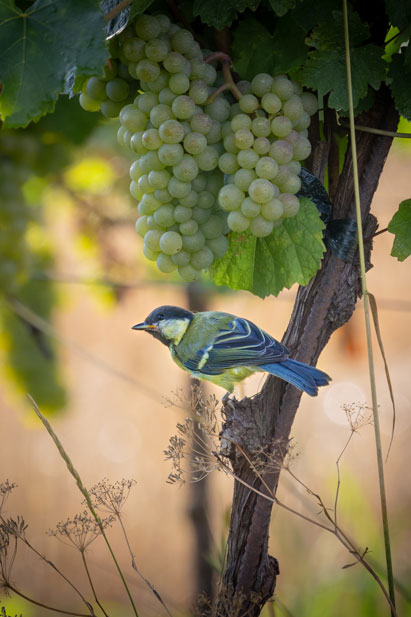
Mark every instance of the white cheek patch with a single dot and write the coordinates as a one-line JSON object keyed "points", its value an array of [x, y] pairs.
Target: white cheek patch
{"points": [[174, 329]]}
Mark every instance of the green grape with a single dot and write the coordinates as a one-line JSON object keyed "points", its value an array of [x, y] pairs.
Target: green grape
{"points": [[133, 49], [156, 50], [301, 149], [202, 259], [147, 70], [160, 113], [244, 86], [272, 210], [213, 228], [260, 227], [150, 162], [249, 208], [96, 89], [148, 204], [194, 243], [166, 96], [310, 103], [135, 170], [182, 214], [219, 246], [201, 123], [282, 87], [293, 108], [158, 84], [229, 144], [117, 89], [198, 91], [152, 239], [291, 204], [153, 225], [171, 131], [261, 190], [228, 163], [141, 226], [147, 27], [190, 200], [135, 190], [291, 185], [171, 242], [144, 184], [283, 174], [206, 200], [110, 109], [177, 188], [261, 84], [281, 151], [215, 182], [271, 103], [165, 263], [261, 127], [182, 41], [237, 221], [179, 83], [181, 259], [164, 23], [187, 169], [151, 139], [266, 168], [226, 128], [243, 139], [174, 62], [219, 109], [163, 196], [183, 107], [133, 118], [247, 159], [123, 136], [261, 145], [209, 74], [208, 159], [230, 197], [188, 273], [188, 228], [164, 215], [302, 123], [294, 167], [195, 143], [200, 183], [170, 154], [146, 101], [248, 103], [149, 253], [243, 178], [214, 134], [159, 179], [281, 126], [89, 104]]}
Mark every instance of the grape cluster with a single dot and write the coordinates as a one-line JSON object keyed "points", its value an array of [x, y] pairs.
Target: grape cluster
{"points": [[110, 93], [264, 142], [14, 214]]}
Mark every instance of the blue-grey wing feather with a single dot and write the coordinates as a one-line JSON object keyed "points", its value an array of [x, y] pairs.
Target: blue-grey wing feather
{"points": [[242, 343]]}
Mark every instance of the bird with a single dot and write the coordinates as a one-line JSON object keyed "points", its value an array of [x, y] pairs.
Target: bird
{"points": [[225, 349]]}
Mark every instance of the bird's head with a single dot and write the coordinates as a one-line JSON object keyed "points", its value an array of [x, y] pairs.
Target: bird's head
{"points": [[166, 323]]}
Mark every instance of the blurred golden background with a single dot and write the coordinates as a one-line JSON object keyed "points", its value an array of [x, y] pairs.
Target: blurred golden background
{"points": [[116, 424]]}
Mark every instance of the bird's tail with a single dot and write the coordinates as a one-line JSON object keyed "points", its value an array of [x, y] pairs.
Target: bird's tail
{"points": [[300, 375]]}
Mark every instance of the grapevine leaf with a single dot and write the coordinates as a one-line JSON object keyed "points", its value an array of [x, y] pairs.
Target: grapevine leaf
{"points": [[399, 13], [255, 50], [217, 13], [281, 7], [291, 254], [400, 75], [326, 71], [329, 34], [40, 47], [312, 12], [138, 7], [400, 226]]}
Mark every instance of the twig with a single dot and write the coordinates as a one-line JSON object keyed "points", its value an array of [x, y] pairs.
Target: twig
{"points": [[226, 63], [83, 557], [117, 9], [369, 129]]}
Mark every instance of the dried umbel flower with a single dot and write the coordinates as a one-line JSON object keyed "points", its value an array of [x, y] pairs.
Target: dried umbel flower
{"points": [[358, 415], [80, 531], [5, 490], [15, 527], [111, 497]]}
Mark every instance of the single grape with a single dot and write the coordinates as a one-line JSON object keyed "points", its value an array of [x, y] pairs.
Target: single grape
{"points": [[151, 139], [250, 208], [170, 154], [150, 162], [266, 168], [96, 89], [261, 190], [291, 204], [237, 221], [164, 215], [230, 197], [261, 145], [218, 246], [174, 62], [89, 104], [150, 254], [243, 178], [133, 49], [291, 185], [117, 89], [165, 263], [188, 273], [201, 123], [156, 50], [181, 259], [190, 200], [183, 107], [271, 103], [293, 108], [157, 84], [260, 227], [177, 188], [261, 84], [146, 101], [243, 139], [208, 159], [164, 23], [200, 215], [147, 27], [281, 126], [261, 126], [229, 144], [160, 113], [152, 239], [206, 200], [159, 179], [272, 210], [179, 83], [198, 91], [187, 169], [133, 118], [248, 103], [182, 214], [244, 86], [281, 151], [194, 243], [219, 109], [195, 143], [310, 103], [135, 170], [141, 226], [147, 70], [166, 96], [213, 228], [202, 259], [209, 74], [282, 87], [188, 228], [247, 159], [163, 196], [294, 167], [228, 163], [171, 131], [151, 224], [301, 149], [148, 204], [214, 134], [135, 190], [171, 242], [182, 41]]}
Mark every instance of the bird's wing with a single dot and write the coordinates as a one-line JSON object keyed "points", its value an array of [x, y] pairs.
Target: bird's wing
{"points": [[239, 343]]}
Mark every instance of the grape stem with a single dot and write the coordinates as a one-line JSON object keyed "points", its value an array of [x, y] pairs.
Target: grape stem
{"points": [[212, 97], [226, 64], [117, 9]]}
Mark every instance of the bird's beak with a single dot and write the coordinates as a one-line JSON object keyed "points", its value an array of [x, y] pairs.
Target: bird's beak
{"points": [[143, 326]]}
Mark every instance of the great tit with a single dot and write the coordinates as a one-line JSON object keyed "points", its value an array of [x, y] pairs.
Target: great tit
{"points": [[225, 349]]}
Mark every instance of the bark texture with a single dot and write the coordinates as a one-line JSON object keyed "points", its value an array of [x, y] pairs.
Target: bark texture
{"points": [[263, 423]]}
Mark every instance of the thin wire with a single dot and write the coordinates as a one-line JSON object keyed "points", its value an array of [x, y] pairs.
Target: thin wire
{"points": [[384, 510]]}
